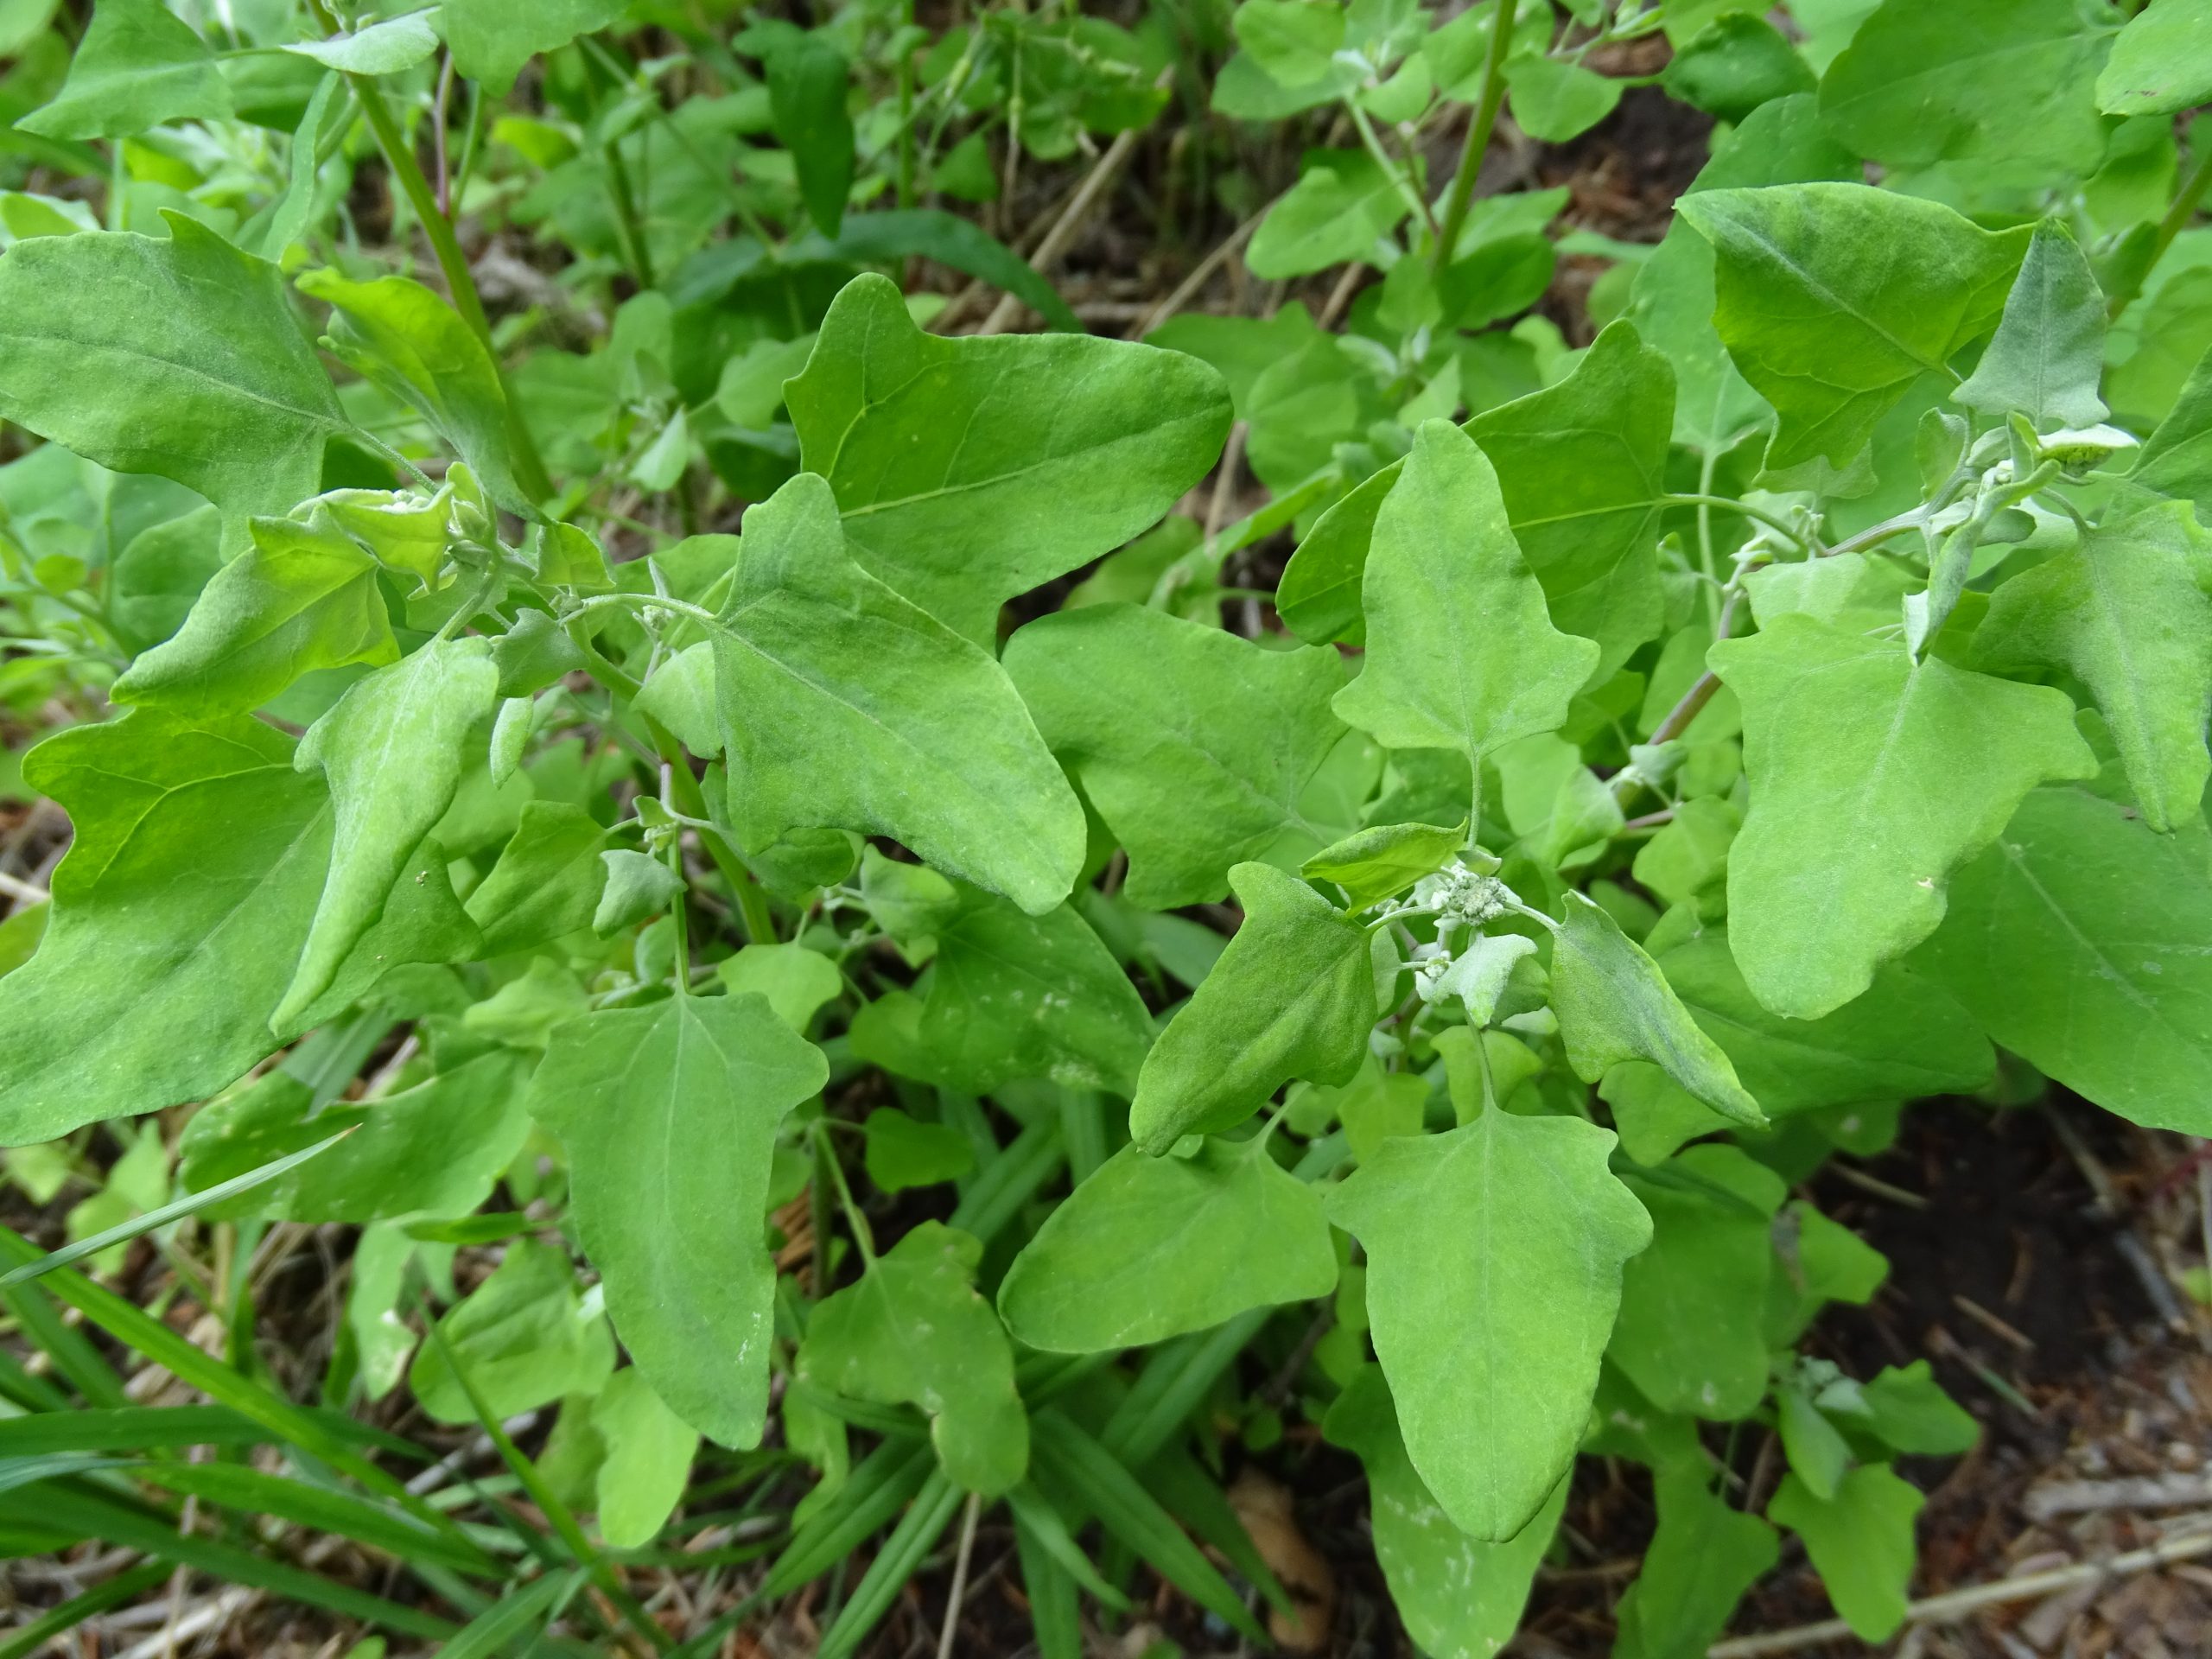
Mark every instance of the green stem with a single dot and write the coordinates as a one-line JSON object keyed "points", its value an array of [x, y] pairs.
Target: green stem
{"points": [[1706, 468], [2185, 203], [529, 468], [906, 112], [1389, 165], [863, 1238], [1478, 131], [626, 212], [1781, 527]]}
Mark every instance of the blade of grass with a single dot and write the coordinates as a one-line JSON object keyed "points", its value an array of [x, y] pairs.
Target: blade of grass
{"points": [[135, 1329], [128, 1428], [549, 1503], [71, 1351], [113, 1520], [506, 1619], [124, 1586], [1054, 1618], [253, 1491], [1134, 1516], [191, 1203], [915, 1535], [1036, 1516]]}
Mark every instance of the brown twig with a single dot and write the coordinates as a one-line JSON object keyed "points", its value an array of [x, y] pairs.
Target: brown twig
{"points": [[1955, 1605]]}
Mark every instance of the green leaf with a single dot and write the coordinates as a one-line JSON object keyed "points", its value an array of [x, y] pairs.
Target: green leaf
{"points": [[1021, 997], [815, 658], [170, 941], [1833, 299], [808, 84], [524, 1338], [1703, 1557], [902, 1151], [492, 39], [796, 981], [405, 339], [1494, 1273], [1582, 467], [1555, 100], [382, 48], [2125, 612], [649, 1452], [667, 1115], [1860, 1542], [179, 357], [1614, 1004], [1344, 203], [1193, 744], [1461, 1599], [288, 218], [914, 1331], [638, 886], [1461, 652], [437, 1150], [2162, 61], [2000, 79], [1735, 64], [1371, 865], [972, 470], [1692, 1333], [409, 720], [1872, 776], [2077, 940], [547, 882], [304, 597], [1151, 1247], [1909, 1411], [1292, 996], [2048, 353], [1296, 41], [138, 65], [2177, 458], [1779, 143], [1903, 1039]]}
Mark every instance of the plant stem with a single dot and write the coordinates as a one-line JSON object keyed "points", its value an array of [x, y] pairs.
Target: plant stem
{"points": [[1479, 132], [625, 212], [1805, 539], [2185, 203], [1388, 163], [529, 468], [906, 111], [863, 1238]]}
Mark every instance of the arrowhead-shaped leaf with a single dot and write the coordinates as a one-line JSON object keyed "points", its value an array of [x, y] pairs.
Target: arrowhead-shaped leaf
{"points": [[1461, 1599], [2048, 353], [1582, 467], [844, 706], [970, 471], [1292, 996], [669, 1115], [1192, 743], [914, 1331], [138, 65], [1015, 995], [1613, 1004], [398, 335], [1834, 298], [304, 596], [1147, 1248], [177, 356], [2078, 942], [392, 750], [1872, 776], [1461, 652], [2125, 612], [1494, 1272]]}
